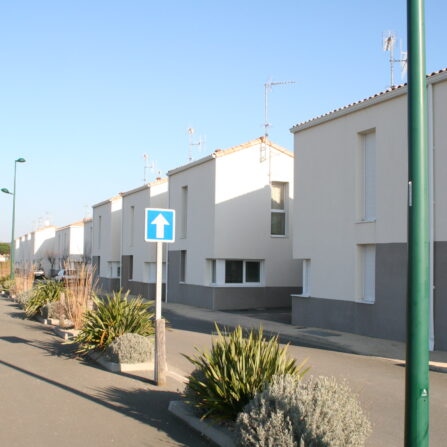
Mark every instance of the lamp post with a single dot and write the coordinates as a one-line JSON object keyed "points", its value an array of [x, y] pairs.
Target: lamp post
{"points": [[13, 193]]}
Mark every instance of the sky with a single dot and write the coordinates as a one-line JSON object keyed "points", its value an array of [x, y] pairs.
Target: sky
{"points": [[90, 86]]}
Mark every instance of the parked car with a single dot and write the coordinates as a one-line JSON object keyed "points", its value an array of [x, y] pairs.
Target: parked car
{"points": [[39, 274], [65, 275]]}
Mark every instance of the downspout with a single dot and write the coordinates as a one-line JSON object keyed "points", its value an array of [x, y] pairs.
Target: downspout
{"points": [[431, 191]]}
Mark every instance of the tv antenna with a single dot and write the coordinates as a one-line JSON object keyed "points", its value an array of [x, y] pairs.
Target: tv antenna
{"points": [[389, 41], [200, 143], [267, 88], [148, 166]]}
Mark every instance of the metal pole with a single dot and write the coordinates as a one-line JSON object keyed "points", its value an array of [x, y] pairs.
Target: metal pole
{"points": [[12, 250], [417, 372], [160, 343]]}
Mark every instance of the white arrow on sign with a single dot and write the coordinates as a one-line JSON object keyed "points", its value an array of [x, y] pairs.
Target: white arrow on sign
{"points": [[160, 223]]}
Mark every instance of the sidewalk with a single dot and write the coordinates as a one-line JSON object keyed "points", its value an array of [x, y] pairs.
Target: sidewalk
{"points": [[307, 336], [49, 398]]}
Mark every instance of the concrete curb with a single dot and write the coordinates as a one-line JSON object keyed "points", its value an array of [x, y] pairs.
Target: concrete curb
{"points": [[120, 367], [66, 334], [218, 435]]}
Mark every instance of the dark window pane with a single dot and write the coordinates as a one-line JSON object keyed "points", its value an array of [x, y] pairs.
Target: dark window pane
{"points": [[252, 271], [278, 224], [182, 265], [233, 271]]}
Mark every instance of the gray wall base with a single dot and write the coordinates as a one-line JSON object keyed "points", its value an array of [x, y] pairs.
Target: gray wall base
{"points": [[223, 298], [386, 317]]}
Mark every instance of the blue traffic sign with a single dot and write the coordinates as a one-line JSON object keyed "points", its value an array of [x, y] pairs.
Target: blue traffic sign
{"points": [[160, 225]]}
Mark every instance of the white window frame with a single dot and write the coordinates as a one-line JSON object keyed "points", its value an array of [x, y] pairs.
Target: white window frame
{"points": [[369, 177], [220, 273], [306, 278], [368, 274], [283, 211]]}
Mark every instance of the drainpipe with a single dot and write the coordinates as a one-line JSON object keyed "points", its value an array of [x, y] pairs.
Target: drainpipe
{"points": [[431, 191]]}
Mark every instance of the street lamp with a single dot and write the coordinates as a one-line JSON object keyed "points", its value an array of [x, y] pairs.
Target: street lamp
{"points": [[13, 193]]}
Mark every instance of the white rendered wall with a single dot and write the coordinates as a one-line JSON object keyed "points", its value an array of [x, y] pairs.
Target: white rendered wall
{"points": [[107, 239], [328, 188], [155, 196], [229, 202]]}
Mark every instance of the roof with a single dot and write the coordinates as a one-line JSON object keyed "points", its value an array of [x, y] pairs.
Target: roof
{"points": [[105, 202], [75, 224], [385, 95], [222, 153], [157, 182]]}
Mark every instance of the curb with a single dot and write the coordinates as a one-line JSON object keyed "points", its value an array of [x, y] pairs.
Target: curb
{"points": [[120, 367], [218, 435]]}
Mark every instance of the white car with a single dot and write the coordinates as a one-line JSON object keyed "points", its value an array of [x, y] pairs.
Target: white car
{"points": [[65, 275]]}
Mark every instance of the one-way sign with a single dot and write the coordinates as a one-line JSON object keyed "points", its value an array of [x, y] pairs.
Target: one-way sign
{"points": [[160, 225]]}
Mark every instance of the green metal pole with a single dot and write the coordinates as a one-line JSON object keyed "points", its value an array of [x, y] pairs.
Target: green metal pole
{"points": [[12, 250], [418, 306]]}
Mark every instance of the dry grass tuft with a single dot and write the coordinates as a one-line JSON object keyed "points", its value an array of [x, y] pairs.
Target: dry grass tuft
{"points": [[23, 279], [78, 292]]}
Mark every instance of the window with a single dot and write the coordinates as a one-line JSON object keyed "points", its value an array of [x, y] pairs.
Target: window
{"points": [[242, 272], [369, 272], [306, 277], [213, 271], [278, 209], [183, 266], [131, 267], [150, 272], [369, 176], [233, 271], [118, 271], [132, 225], [184, 212], [99, 231]]}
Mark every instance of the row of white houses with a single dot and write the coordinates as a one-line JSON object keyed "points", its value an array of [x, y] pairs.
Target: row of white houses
{"points": [[323, 232], [49, 248]]}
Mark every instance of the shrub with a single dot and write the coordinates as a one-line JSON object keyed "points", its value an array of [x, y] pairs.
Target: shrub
{"points": [[23, 280], [131, 348], [321, 412], [236, 368], [7, 284], [51, 310], [111, 318], [22, 298], [44, 293]]}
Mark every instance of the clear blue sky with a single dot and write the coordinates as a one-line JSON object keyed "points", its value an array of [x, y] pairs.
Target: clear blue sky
{"points": [[89, 86]]}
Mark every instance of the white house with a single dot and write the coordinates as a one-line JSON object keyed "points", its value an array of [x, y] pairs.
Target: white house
{"points": [[138, 274], [350, 215], [106, 248], [233, 247], [36, 249], [69, 244]]}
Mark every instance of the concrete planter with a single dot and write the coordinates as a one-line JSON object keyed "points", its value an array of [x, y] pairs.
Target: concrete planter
{"points": [[100, 358], [216, 433], [64, 333]]}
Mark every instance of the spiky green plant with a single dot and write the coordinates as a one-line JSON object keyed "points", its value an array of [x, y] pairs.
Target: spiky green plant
{"points": [[236, 368], [44, 293], [111, 318]]}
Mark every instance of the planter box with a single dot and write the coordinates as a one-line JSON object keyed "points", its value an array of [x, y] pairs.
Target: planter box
{"points": [[216, 433], [47, 321], [120, 367]]}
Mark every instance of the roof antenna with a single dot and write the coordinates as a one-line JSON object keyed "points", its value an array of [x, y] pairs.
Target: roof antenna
{"points": [[148, 166], [389, 41], [201, 143], [267, 87]]}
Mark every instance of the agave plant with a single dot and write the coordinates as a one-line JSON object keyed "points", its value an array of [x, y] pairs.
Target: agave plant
{"points": [[43, 293], [236, 368], [111, 318]]}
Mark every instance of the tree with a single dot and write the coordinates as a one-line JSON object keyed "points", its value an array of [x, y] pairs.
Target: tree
{"points": [[5, 248]]}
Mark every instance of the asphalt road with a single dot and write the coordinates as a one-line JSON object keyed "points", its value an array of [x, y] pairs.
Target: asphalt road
{"points": [[378, 382]]}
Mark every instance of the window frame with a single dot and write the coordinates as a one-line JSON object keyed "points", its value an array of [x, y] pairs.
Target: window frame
{"points": [[220, 273], [281, 211]]}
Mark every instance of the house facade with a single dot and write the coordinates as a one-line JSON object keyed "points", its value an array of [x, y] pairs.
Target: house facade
{"points": [[233, 229], [69, 245], [106, 243], [138, 274], [350, 218]]}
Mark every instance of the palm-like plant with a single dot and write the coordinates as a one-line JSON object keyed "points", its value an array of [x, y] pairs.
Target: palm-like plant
{"points": [[43, 293], [111, 318], [236, 368]]}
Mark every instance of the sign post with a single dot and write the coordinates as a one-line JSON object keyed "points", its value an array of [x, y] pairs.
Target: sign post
{"points": [[159, 228]]}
